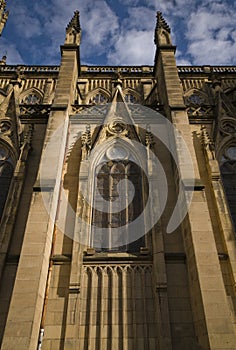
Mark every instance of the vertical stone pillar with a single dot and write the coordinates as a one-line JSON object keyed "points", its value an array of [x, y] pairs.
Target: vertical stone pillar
{"points": [[28, 299], [213, 324]]}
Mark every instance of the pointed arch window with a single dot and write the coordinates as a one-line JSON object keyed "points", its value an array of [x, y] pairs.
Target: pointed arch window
{"points": [[118, 200], [130, 98], [31, 99], [195, 99], [98, 99]]}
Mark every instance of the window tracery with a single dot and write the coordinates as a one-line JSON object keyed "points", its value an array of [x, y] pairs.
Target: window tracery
{"points": [[197, 105], [195, 99], [98, 99], [130, 98], [5, 126], [31, 99], [116, 203]]}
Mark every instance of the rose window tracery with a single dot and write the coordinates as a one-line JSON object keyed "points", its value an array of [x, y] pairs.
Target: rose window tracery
{"points": [[5, 126]]}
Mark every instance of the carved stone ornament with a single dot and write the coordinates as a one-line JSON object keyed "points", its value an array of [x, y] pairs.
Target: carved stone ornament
{"points": [[117, 127], [86, 142], [228, 126], [5, 126]]}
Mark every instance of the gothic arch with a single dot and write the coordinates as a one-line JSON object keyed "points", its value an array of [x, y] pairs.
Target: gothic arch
{"points": [[192, 92], [117, 208], [11, 155], [99, 91], [98, 152], [231, 94], [226, 144], [164, 38], [131, 92], [34, 96]]}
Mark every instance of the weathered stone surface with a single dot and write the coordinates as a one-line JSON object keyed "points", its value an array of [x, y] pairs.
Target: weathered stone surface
{"points": [[172, 291]]}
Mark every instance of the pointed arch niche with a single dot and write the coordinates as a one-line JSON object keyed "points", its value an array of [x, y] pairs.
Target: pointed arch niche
{"points": [[6, 174], [117, 195], [98, 96]]}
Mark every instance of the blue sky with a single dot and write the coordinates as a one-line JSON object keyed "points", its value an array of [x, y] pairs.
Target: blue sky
{"points": [[120, 32]]}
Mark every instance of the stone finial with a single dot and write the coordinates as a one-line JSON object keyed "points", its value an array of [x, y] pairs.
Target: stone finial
{"points": [[207, 143], [3, 15], [162, 31], [149, 139], [86, 140], [73, 30], [75, 22], [161, 22], [3, 60]]}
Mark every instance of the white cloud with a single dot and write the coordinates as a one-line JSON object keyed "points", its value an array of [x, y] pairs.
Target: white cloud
{"points": [[140, 18], [100, 27], [181, 60], [174, 8], [204, 24], [133, 48], [213, 52], [129, 2], [211, 35], [201, 29]]}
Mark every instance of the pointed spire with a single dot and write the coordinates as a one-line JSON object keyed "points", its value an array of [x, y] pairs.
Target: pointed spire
{"points": [[75, 22], [162, 31], [161, 22], [73, 30]]}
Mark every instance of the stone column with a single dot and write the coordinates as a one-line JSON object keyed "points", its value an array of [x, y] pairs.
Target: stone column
{"points": [[28, 299], [211, 312]]}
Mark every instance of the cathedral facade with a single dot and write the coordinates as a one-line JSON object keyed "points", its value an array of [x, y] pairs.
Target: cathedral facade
{"points": [[117, 203]]}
